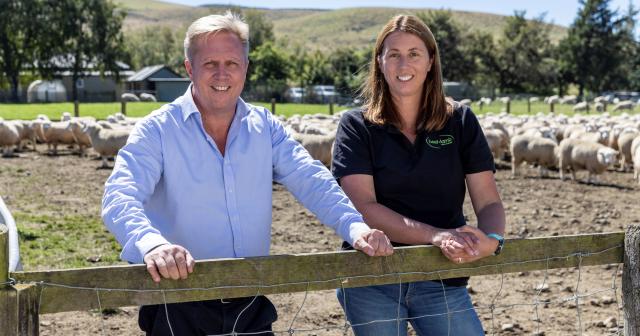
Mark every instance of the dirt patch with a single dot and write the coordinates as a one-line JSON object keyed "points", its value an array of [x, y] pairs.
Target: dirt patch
{"points": [[39, 185]]}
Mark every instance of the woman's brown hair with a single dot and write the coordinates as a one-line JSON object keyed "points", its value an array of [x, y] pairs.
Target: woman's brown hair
{"points": [[378, 105]]}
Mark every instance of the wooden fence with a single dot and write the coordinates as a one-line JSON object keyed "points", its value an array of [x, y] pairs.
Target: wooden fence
{"points": [[21, 301]]}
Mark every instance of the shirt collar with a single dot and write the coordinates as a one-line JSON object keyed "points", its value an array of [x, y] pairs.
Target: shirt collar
{"points": [[188, 106]]}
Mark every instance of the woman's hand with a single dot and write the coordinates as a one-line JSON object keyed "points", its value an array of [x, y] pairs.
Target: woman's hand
{"points": [[486, 246], [456, 245]]}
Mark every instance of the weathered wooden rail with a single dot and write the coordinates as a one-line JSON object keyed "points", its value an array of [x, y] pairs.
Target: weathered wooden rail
{"points": [[32, 293]]}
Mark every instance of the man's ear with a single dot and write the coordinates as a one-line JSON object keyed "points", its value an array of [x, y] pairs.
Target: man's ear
{"points": [[187, 65]]}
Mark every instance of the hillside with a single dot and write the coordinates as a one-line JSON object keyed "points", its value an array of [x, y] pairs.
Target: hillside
{"points": [[315, 29]]}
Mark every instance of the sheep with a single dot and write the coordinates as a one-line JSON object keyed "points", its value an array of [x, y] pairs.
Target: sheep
{"points": [[466, 102], [27, 133], [129, 97], [569, 100], [535, 150], [147, 97], [534, 99], [66, 116], [552, 99], [579, 154], [623, 105], [635, 155], [599, 107], [56, 133], [504, 100], [624, 145], [106, 142], [9, 137], [580, 107], [498, 142], [320, 147], [81, 138]]}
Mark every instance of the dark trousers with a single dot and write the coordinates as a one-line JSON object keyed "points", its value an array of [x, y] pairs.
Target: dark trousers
{"points": [[213, 317]]}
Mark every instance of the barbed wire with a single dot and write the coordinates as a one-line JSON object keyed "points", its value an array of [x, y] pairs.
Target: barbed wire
{"points": [[577, 297]]}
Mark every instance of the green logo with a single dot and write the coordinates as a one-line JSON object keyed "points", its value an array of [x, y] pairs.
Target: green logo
{"points": [[442, 140]]}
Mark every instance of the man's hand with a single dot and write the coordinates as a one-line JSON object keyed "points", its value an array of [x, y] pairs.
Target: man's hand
{"points": [[374, 243], [169, 261]]}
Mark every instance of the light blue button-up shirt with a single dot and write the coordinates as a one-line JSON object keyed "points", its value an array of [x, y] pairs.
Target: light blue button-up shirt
{"points": [[171, 184]]}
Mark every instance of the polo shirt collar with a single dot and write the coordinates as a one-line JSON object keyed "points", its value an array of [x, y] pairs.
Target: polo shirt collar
{"points": [[188, 106]]}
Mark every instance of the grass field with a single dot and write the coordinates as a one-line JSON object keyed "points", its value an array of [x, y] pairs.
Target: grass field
{"points": [[102, 110]]}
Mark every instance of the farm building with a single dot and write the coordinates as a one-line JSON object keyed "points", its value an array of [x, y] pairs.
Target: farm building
{"points": [[158, 80]]}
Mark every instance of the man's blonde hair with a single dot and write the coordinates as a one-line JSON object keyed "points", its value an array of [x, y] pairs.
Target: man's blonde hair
{"points": [[212, 24]]}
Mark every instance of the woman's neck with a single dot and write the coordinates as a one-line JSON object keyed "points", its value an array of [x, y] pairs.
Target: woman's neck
{"points": [[408, 109]]}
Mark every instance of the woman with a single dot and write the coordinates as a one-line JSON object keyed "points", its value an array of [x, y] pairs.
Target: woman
{"points": [[404, 160]]}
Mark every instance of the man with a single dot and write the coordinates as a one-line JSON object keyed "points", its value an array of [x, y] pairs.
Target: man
{"points": [[195, 182]]}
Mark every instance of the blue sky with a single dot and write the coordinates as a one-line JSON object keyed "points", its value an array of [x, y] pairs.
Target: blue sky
{"points": [[561, 12]]}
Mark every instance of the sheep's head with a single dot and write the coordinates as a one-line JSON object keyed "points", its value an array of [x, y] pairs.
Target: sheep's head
{"points": [[607, 156]]}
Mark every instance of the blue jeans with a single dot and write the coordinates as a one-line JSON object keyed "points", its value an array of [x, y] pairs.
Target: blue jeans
{"points": [[386, 309]]}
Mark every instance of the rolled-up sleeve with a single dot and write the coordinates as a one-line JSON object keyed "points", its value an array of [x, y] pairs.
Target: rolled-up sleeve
{"points": [[137, 170], [313, 185]]}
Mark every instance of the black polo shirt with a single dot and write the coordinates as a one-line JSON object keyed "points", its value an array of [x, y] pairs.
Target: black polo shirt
{"points": [[425, 180]]}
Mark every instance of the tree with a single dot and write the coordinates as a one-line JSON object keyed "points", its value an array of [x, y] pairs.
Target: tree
{"points": [[592, 50], [21, 38], [90, 34], [349, 66], [270, 71], [157, 45], [482, 50], [524, 57], [457, 64]]}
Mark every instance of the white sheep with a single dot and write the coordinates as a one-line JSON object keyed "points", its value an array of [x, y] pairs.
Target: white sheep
{"points": [[599, 107], [578, 154], [533, 150], [466, 102], [82, 139], [320, 147], [9, 137], [129, 97], [570, 99], [623, 105], [624, 146], [66, 116], [580, 107], [106, 142], [635, 155], [534, 99], [498, 142], [56, 133], [147, 97]]}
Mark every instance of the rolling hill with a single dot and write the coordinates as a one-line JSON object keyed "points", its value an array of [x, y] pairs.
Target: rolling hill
{"points": [[313, 28]]}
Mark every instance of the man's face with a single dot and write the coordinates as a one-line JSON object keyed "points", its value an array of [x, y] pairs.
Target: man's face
{"points": [[218, 68]]}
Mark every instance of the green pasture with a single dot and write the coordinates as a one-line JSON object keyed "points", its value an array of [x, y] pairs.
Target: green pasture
{"points": [[102, 110]]}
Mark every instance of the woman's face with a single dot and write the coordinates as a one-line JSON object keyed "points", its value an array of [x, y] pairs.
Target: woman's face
{"points": [[405, 62]]}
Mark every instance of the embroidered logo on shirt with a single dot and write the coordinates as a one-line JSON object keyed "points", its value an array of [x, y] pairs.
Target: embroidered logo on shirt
{"points": [[441, 141]]}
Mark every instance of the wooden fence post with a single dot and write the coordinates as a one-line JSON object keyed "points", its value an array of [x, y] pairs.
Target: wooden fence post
{"points": [[331, 108], [273, 106], [18, 303], [631, 281], [551, 107], [123, 107], [76, 109]]}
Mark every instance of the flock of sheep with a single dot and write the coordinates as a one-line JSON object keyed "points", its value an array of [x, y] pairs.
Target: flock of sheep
{"points": [[593, 143], [599, 104], [106, 137]]}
